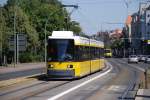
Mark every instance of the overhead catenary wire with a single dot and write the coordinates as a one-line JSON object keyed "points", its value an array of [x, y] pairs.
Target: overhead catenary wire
{"points": [[94, 2], [100, 2]]}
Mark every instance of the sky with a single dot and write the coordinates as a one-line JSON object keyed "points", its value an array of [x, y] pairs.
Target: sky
{"points": [[96, 15]]}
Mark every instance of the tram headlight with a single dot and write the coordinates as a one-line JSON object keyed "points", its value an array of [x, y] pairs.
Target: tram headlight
{"points": [[50, 66], [70, 66]]}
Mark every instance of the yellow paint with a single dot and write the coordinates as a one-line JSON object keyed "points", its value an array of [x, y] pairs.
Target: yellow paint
{"points": [[102, 63], [81, 68], [88, 45], [91, 45], [108, 54], [95, 65], [84, 68]]}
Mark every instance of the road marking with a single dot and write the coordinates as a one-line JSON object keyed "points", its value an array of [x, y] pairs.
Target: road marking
{"points": [[80, 85], [117, 87]]}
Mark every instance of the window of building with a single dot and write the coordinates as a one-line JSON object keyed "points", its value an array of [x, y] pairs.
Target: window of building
{"points": [[148, 15]]}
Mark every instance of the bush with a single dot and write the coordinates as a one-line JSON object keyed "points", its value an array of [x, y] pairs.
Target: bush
{"points": [[29, 57], [25, 57]]}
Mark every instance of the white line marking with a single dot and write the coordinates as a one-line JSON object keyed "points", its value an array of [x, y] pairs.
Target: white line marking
{"points": [[80, 85], [117, 87], [141, 69]]}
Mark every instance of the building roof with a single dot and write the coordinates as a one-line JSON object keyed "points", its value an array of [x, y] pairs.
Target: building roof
{"points": [[116, 33]]}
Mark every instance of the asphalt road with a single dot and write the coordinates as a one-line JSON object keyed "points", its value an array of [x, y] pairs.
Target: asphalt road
{"points": [[109, 84]]}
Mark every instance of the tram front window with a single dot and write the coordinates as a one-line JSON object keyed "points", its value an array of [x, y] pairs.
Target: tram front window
{"points": [[107, 51], [60, 50]]}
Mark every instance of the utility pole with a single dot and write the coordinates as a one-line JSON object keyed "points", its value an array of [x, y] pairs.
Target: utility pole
{"points": [[17, 48], [1, 46], [66, 18], [45, 42], [15, 37], [45, 30]]}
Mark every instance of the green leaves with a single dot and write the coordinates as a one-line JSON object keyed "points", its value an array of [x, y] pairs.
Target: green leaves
{"points": [[30, 19]]}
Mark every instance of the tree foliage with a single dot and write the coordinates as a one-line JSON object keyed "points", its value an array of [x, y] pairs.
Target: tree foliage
{"points": [[31, 17]]}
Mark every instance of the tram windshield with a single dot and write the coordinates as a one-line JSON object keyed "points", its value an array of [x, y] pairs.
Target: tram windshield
{"points": [[107, 51], [60, 50]]}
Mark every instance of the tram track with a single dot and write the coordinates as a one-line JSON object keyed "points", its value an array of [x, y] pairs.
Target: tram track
{"points": [[126, 79], [114, 84], [73, 81], [120, 81], [30, 89], [134, 84], [37, 87]]}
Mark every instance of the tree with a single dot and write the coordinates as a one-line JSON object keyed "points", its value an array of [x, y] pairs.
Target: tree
{"points": [[30, 19], [3, 31], [75, 27]]}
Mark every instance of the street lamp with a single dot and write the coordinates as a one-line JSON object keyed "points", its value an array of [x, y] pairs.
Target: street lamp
{"points": [[14, 36], [1, 48], [45, 28], [45, 38], [45, 35]]}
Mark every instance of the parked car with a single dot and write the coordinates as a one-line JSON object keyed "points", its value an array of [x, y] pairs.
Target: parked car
{"points": [[142, 58], [139, 57], [147, 59], [133, 59]]}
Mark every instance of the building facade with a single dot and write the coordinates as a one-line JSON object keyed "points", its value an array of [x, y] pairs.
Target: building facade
{"points": [[135, 35], [140, 30]]}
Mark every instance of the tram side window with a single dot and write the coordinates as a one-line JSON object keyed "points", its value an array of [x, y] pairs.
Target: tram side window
{"points": [[82, 53], [93, 52], [86, 53], [101, 52], [77, 53], [97, 53]]}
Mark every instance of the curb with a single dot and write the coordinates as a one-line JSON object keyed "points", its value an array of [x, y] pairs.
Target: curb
{"points": [[9, 82]]}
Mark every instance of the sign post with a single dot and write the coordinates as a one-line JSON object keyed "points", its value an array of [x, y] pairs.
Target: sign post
{"points": [[17, 43]]}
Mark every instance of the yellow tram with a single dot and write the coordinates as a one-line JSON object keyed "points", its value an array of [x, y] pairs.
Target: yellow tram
{"points": [[108, 53], [70, 56]]}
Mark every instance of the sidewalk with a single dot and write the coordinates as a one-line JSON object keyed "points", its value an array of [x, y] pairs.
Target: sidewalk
{"points": [[21, 67], [143, 94], [11, 75]]}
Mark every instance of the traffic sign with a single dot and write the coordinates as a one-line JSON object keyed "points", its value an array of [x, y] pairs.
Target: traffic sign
{"points": [[21, 42]]}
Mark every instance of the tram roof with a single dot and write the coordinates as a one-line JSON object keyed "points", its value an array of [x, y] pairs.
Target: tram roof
{"points": [[78, 39]]}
